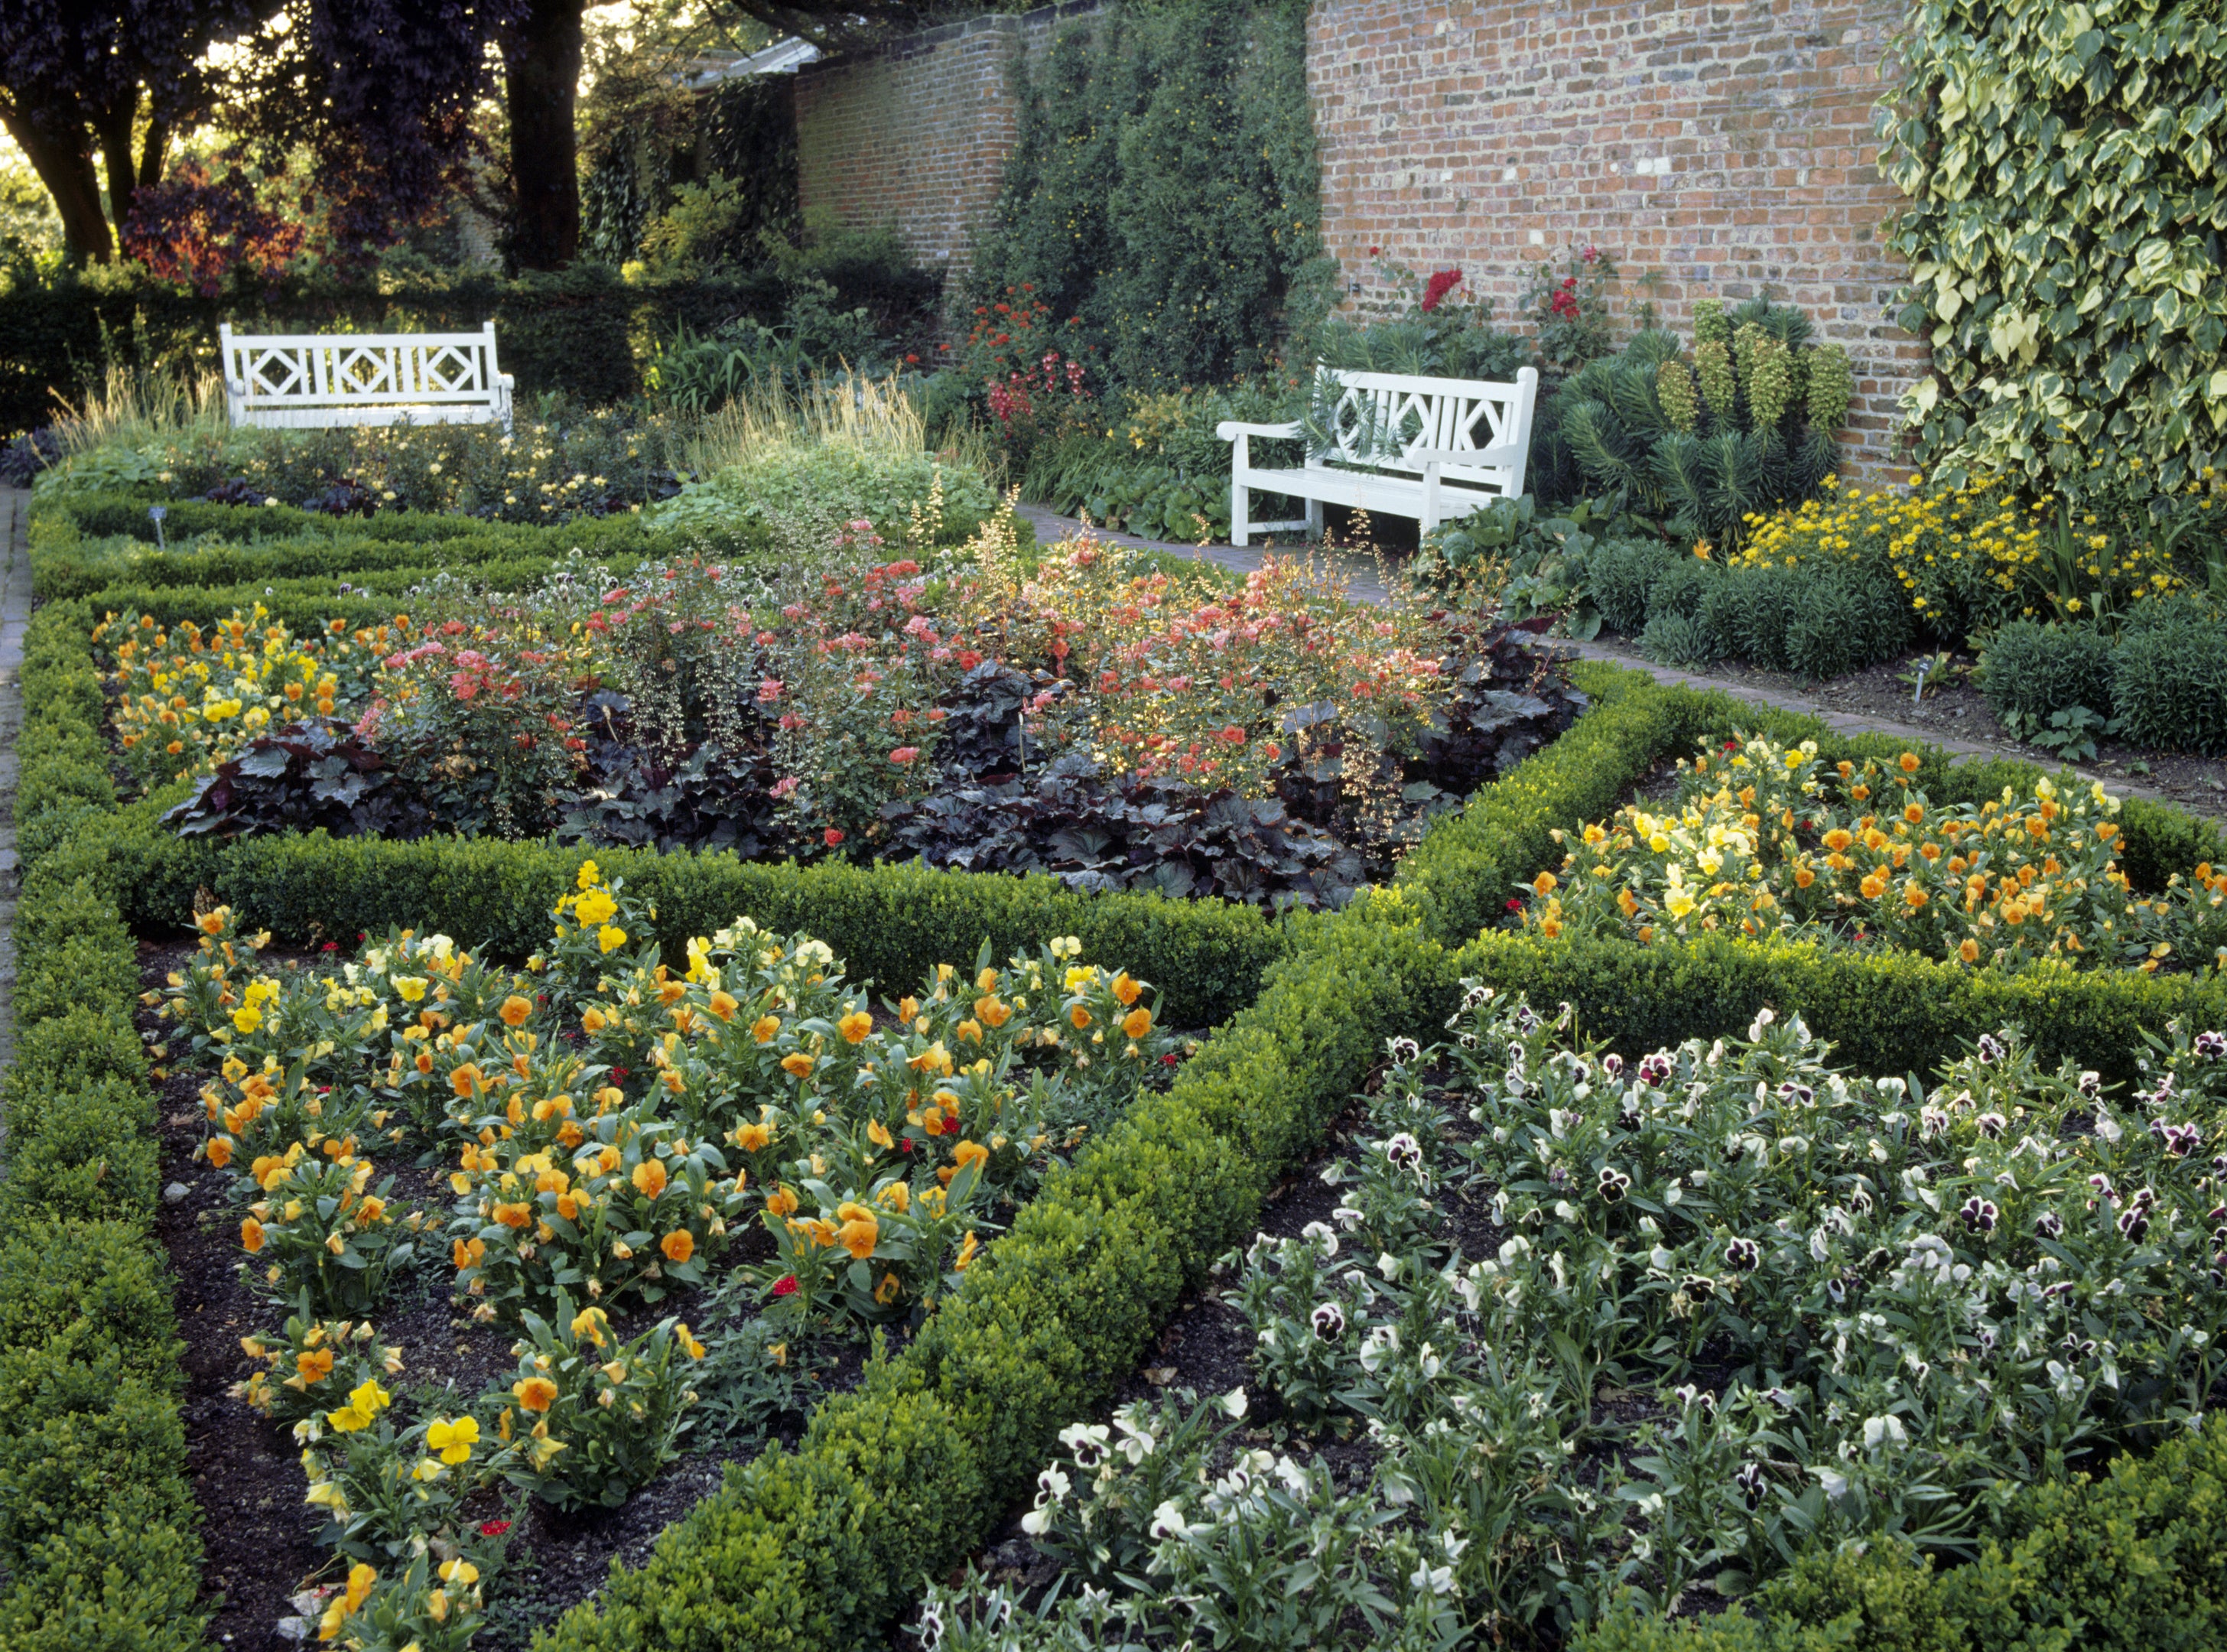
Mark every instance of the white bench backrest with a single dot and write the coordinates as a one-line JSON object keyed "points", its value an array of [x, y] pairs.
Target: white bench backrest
{"points": [[316, 381], [1373, 410]]}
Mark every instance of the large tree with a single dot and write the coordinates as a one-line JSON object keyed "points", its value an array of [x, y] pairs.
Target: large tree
{"points": [[541, 54], [86, 78], [380, 92]]}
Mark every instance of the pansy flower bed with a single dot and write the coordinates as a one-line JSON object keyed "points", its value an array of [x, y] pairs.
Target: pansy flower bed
{"points": [[1273, 741], [663, 1202], [1767, 839], [1567, 1339]]}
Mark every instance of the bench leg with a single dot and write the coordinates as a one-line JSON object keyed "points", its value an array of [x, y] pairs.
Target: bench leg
{"points": [[1314, 518], [1240, 529]]}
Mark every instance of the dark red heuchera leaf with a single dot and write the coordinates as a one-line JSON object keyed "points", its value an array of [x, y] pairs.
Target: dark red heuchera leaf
{"points": [[1441, 283]]}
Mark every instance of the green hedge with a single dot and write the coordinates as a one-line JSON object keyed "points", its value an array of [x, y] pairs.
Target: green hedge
{"points": [[2131, 1560], [96, 1516], [86, 543], [1884, 1012]]}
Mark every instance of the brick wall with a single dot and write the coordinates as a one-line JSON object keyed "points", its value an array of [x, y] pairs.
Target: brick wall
{"points": [[1725, 148], [917, 134]]}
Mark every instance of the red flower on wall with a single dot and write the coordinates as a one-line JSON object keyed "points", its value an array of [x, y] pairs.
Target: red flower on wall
{"points": [[1441, 283]]}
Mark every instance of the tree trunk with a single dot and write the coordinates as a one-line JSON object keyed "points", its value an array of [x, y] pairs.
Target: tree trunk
{"points": [[543, 60], [115, 133], [67, 169]]}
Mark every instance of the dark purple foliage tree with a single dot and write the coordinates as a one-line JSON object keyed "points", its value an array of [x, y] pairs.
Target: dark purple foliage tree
{"points": [[381, 94], [77, 76]]}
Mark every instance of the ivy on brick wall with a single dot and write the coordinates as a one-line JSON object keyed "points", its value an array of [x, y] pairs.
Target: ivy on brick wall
{"points": [[2066, 166], [1164, 188]]}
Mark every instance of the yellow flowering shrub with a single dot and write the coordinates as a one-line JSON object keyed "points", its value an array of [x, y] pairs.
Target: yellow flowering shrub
{"points": [[588, 1418], [1978, 555], [421, 1604], [188, 697], [382, 1487], [309, 1365], [607, 1120], [1766, 839]]}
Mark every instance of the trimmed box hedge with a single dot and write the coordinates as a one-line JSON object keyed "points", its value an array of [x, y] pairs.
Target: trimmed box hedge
{"points": [[91, 542], [820, 1547]]}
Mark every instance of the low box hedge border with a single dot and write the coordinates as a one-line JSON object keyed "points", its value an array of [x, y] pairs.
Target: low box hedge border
{"points": [[85, 543], [820, 1547]]}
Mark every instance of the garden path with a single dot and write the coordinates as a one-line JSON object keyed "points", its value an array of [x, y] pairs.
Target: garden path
{"points": [[15, 614], [1367, 585]]}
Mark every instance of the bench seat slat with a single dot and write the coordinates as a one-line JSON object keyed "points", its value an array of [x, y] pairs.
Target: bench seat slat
{"points": [[1401, 445]]}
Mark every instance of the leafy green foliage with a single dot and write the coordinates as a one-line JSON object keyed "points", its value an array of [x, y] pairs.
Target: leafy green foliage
{"points": [[308, 776], [2064, 234], [1164, 188]]}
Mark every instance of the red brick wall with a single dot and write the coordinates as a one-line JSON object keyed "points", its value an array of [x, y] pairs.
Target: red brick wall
{"points": [[917, 135], [1726, 147]]}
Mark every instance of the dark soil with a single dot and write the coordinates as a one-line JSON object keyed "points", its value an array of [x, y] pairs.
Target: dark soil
{"points": [[1957, 710], [247, 1473]]}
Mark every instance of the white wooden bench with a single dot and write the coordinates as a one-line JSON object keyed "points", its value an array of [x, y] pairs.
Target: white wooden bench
{"points": [[1430, 449], [317, 381]]}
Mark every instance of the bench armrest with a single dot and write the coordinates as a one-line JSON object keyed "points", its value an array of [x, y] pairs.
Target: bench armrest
{"points": [[1229, 430]]}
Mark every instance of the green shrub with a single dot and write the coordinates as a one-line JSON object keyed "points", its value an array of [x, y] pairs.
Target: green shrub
{"points": [[1163, 155], [86, 1444], [97, 1274], [84, 1155], [88, 543], [2033, 669], [2131, 1560], [2169, 682], [1748, 427], [825, 487], [1892, 1013], [118, 1584], [1623, 574]]}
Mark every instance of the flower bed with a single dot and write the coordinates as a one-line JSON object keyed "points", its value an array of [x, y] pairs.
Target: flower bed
{"points": [[1767, 839], [823, 1542], [618, 1136], [1573, 1338], [1278, 743]]}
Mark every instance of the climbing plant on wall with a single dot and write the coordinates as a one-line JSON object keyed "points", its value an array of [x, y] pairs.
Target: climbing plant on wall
{"points": [[1164, 188], [2064, 229]]}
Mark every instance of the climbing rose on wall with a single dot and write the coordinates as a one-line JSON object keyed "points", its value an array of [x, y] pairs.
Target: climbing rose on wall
{"points": [[1441, 283]]}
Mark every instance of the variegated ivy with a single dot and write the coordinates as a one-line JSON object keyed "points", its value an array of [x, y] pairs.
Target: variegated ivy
{"points": [[2064, 168]]}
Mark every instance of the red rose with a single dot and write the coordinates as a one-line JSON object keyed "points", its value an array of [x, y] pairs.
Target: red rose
{"points": [[832, 837], [1441, 283], [786, 1285]]}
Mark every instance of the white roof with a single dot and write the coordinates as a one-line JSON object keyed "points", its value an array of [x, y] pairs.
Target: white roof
{"points": [[782, 57]]}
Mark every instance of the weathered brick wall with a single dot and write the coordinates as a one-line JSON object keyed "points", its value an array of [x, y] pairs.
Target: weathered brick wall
{"points": [[1725, 148], [917, 134]]}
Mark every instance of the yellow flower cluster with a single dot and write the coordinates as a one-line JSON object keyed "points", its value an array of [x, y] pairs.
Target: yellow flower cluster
{"points": [[1973, 555], [1766, 839], [188, 697]]}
